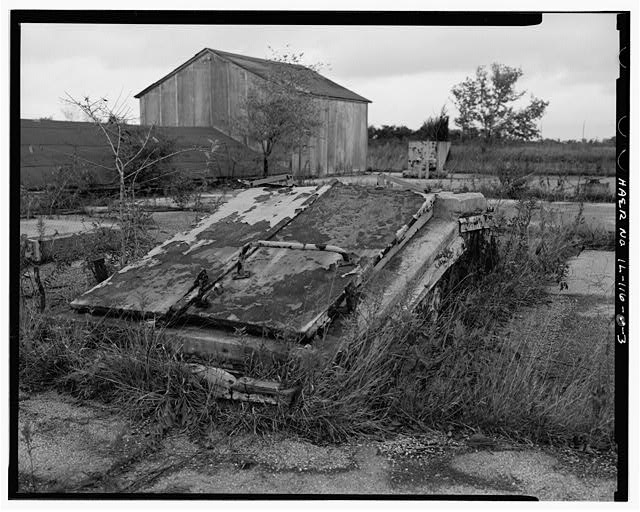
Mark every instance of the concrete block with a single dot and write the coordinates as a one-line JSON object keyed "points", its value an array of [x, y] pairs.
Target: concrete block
{"points": [[421, 156], [593, 188], [452, 206]]}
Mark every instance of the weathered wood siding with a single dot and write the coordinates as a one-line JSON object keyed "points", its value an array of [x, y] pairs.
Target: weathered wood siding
{"points": [[340, 145], [168, 102], [211, 91], [186, 98]]}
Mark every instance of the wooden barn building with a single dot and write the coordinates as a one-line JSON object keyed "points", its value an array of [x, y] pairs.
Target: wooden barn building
{"points": [[210, 89]]}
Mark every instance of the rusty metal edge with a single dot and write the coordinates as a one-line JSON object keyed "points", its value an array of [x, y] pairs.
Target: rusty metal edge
{"points": [[475, 222], [225, 385]]}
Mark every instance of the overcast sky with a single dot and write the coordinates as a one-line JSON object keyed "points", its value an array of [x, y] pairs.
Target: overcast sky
{"points": [[569, 60]]}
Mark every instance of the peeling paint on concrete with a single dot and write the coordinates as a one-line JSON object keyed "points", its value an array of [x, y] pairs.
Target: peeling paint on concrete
{"points": [[409, 271], [291, 290], [254, 250], [152, 285], [285, 289]]}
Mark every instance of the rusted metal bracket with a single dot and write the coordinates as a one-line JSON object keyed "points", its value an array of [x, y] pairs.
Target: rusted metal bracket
{"points": [[241, 273], [475, 223], [197, 293], [225, 385]]}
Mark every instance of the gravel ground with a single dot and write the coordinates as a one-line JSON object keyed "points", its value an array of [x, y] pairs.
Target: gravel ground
{"points": [[89, 448]]}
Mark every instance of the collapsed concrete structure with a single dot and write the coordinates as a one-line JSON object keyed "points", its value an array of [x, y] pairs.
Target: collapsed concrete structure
{"points": [[272, 266]]}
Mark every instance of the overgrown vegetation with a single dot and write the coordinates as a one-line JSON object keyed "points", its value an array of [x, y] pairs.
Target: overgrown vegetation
{"points": [[406, 372], [543, 158]]}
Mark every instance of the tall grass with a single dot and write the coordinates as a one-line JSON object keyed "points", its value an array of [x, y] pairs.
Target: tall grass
{"points": [[460, 370], [407, 371], [544, 157], [134, 367], [468, 157]]}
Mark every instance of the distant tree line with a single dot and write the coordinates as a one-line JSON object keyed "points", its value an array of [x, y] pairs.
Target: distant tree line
{"points": [[403, 133], [434, 128]]}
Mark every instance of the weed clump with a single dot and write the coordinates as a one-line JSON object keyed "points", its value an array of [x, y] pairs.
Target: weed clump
{"points": [[135, 368]]}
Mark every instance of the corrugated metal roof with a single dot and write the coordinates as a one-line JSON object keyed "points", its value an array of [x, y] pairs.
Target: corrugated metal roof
{"points": [[318, 84]]}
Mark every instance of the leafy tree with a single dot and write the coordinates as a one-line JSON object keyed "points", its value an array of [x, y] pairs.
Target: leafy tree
{"points": [[487, 106], [435, 128], [281, 113]]}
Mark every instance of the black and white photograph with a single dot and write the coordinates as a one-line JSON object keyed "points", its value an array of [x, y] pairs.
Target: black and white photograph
{"points": [[337, 254]]}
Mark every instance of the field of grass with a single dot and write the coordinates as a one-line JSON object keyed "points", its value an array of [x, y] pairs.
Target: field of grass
{"points": [[405, 373], [546, 157]]}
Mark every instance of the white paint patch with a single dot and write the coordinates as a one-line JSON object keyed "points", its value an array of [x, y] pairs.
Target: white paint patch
{"points": [[197, 245], [104, 283], [274, 209]]}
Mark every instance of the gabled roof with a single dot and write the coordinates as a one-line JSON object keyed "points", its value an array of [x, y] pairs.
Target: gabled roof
{"points": [[318, 84]]}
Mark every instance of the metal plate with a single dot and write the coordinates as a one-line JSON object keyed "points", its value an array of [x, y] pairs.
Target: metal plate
{"points": [[286, 292], [475, 223], [291, 290], [158, 281], [363, 220]]}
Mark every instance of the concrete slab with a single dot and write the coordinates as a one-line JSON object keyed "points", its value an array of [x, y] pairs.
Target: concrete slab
{"points": [[590, 273], [472, 182], [85, 448], [60, 225], [597, 216], [452, 206], [67, 443], [409, 273], [535, 474], [67, 238]]}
